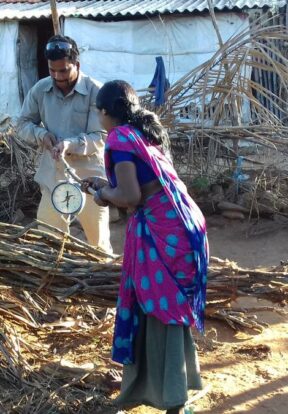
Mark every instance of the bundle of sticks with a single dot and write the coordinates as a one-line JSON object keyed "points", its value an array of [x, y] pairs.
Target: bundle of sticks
{"points": [[62, 267], [19, 194], [54, 338], [57, 263], [57, 299]]}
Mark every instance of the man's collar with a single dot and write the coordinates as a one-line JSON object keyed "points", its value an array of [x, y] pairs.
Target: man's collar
{"points": [[49, 85], [80, 85]]}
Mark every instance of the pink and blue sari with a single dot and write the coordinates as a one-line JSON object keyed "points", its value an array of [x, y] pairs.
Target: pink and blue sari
{"points": [[166, 250]]}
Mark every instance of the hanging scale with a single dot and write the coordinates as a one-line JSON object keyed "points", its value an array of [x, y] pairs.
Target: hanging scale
{"points": [[67, 197]]}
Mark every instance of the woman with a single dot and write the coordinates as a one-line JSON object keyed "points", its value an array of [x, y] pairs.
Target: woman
{"points": [[162, 289]]}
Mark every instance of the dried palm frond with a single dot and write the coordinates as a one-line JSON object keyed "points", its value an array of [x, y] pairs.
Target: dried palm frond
{"points": [[240, 93], [210, 86]]}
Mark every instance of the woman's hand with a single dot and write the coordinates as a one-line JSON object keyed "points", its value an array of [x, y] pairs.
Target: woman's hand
{"points": [[94, 182], [97, 184], [98, 199]]}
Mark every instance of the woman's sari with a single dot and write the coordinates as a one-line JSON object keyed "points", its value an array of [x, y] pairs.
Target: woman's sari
{"points": [[166, 250]]}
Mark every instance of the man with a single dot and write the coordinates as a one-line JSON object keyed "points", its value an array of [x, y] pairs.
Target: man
{"points": [[59, 115]]}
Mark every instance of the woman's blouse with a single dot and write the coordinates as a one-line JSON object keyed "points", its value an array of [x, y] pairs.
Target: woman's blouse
{"points": [[144, 172]]}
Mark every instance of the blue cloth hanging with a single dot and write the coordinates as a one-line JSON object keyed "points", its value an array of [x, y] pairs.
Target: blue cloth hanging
{"points": [[238, 175], [159, 82]]}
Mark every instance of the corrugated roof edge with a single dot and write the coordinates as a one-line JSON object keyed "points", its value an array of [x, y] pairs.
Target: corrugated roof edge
{"points": [[128, 8]]}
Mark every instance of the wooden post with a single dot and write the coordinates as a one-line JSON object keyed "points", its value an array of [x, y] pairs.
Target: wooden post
{"points": [[55, 17], [236, 120]]}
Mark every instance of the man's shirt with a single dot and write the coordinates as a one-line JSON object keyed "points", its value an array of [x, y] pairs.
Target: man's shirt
{"points": [[73, 117]]}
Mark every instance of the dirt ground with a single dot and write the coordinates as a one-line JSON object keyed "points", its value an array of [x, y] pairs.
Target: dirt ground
{"points": [[243, 372]]}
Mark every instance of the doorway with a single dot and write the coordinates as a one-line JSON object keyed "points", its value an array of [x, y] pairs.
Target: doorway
{"points": [[32, 38]]}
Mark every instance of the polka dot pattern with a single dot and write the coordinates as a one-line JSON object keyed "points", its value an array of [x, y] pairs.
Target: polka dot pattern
{"points": [[170, 251], [128, 283], [172, 240], [147, 211], [135, 320], [152, 218], [121, 138], [163, 303], [189, 258], [122, 342], [180, 275], [139, 230], [145, 283], [147, 231], [141, 256], [153, 254], [171, 214], [159, 277], [180, 298], [172, 322], [124, 313], [149, 306], [159, 257], [164, 199]]}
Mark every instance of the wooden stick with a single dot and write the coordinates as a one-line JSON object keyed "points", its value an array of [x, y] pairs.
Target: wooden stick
{"points": [[55, 17]]}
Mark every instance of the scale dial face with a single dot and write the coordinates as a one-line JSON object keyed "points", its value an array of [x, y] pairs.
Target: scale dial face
{"points": [[67, 198]]}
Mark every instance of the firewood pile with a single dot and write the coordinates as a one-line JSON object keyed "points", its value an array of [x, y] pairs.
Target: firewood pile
{"points": [[57, 296], [66, 268], [19, 194], [55, 339]]}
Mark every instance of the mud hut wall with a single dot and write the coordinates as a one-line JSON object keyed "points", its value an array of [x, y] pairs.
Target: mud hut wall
{"points": [[9, 88], [127, 49], [122, 49]]}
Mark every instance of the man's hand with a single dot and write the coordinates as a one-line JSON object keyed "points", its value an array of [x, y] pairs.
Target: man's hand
{"points": [[49, 141], [59, 150]]}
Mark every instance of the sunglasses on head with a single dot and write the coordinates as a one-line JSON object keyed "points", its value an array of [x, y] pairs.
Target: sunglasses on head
{"points": [[57, 50]]}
